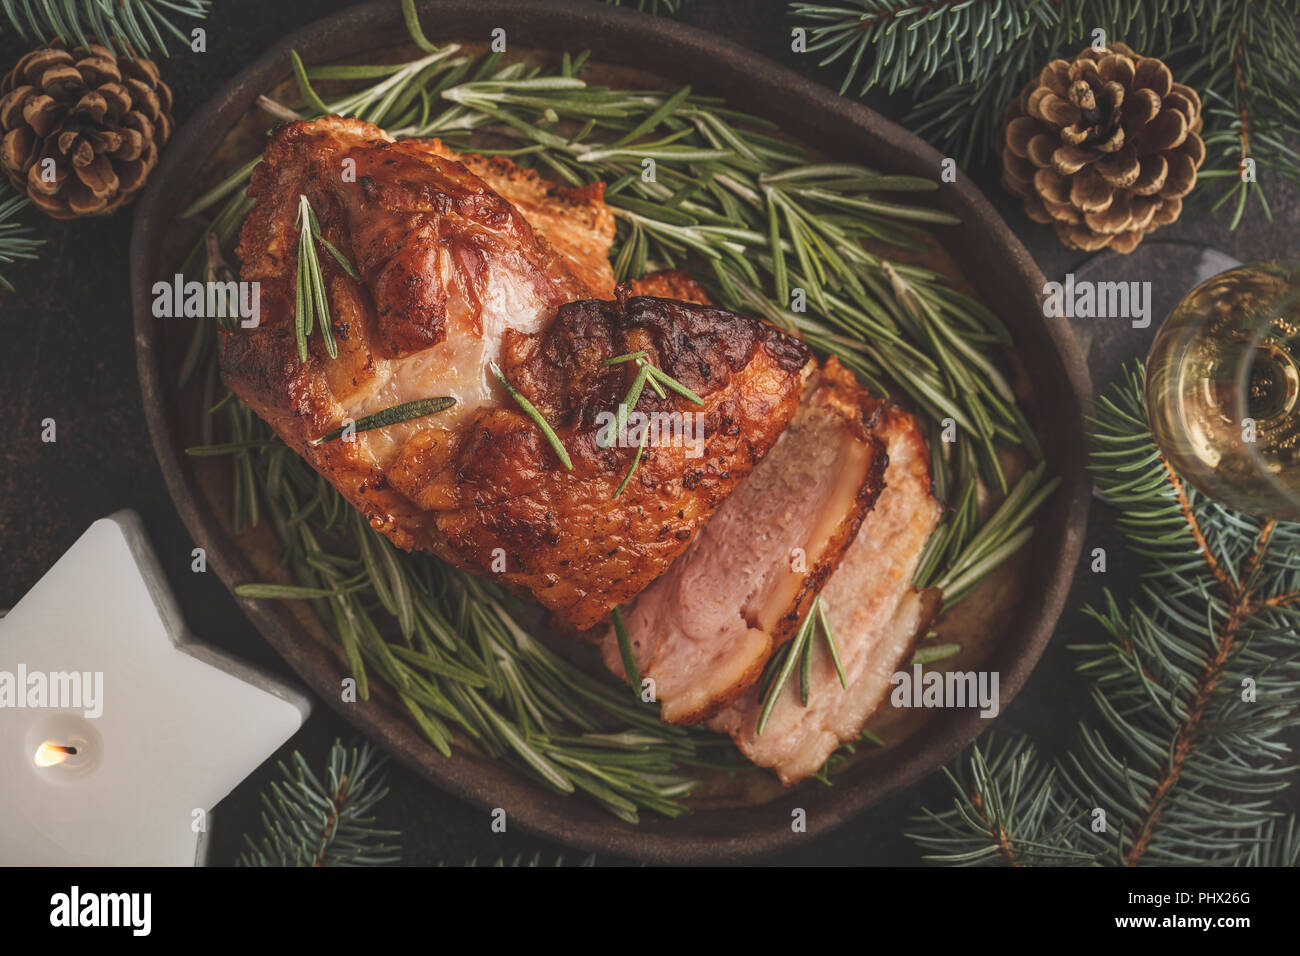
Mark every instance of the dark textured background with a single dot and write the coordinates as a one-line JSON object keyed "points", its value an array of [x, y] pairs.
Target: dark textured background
{"points": [[67, 354]]}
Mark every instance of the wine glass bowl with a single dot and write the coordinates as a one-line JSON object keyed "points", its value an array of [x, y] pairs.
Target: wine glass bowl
{"points": [[1223, 389]]}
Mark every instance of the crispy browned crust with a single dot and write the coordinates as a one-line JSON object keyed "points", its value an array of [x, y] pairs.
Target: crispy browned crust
{"points": [[577, 549], [669, 284], [574, 221], [392, 214], [423, 231]]}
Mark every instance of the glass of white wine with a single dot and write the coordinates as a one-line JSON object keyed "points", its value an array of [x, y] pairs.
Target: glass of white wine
{"points": [[1223, 389]]}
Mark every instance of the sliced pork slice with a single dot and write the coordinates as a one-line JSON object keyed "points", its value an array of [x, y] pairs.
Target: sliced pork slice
{"points": [[705, 629], [874, 612]]}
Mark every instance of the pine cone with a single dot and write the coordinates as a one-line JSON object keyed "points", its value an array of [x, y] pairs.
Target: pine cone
{"points": [[100, 118], [1103, 148]]}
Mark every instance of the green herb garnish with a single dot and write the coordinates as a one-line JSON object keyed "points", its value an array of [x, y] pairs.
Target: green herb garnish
{"points": [[311, 304], [834, 648], [391, 416], [798, 652], [15, 242], [794, 653], [531, 411], [935, 652], [625, 649], [646, 372]]}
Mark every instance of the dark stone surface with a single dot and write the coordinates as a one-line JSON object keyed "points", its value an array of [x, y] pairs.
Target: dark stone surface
{"points": [[69, 356]]}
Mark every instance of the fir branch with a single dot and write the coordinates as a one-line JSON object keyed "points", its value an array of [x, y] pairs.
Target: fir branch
{"points": [[1193, 682], [1278, 845], [531, 861], [15, 240], [897, 43], [310, 822], [1182, 741], [129, 25], [963, 61], [1249, 71], [1008, 810]]}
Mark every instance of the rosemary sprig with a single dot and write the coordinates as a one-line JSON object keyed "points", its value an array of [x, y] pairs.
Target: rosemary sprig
{"points": [[625, 650], [531, 411], [794, 652], [748, 204], [461, 663], [798, 653], [1004, 533], [393, 415], [311, 303], [646, 372]]}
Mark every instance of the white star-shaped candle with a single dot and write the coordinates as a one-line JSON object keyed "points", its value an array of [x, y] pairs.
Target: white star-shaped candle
{"points": [[118, 731]]}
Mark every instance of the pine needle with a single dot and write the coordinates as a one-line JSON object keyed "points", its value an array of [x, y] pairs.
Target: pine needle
{"points": [[130, 25], [1194, 682], [314, 821]]}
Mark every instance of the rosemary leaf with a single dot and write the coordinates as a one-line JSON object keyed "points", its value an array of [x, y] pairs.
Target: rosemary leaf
{"points": [[636, 461], [629, 357], [393, 415], [792, 658], [304, 85], [805, 674], [339, 257], [625, 649], [830, 639], [935, 652], [669, 382], [290, 592], [531, 411], [225, 448]]}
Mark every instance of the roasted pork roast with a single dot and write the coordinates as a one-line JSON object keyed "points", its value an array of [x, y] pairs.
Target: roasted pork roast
{"points": [[795, 485], [453, 277]]}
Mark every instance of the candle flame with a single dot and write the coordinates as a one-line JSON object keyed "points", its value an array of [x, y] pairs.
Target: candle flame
{"points": [[49, 754]]}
